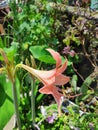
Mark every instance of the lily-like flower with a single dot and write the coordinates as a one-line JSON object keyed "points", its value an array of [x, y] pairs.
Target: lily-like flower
{"points": [[60, 79], [51, 78]]}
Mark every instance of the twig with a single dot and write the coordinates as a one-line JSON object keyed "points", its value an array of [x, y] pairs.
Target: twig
{"points": [[86, 54], [76, 95], [77, 72]]}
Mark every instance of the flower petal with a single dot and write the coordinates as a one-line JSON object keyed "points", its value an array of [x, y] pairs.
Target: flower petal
{"points": [[58, 97], [56, 56], [61, 79], [51, 89], [46, 77], [50, 119], [45, 74], [62, 68], [47, 89]]}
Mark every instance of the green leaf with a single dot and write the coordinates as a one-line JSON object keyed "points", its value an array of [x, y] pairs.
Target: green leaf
{"points": [[67, 41], [11, 52], [1, 43], [74, 82], [86, 84], [40, 53], [84, 89], [76, 40], [40, 98], [6, 100], [23, 26]]}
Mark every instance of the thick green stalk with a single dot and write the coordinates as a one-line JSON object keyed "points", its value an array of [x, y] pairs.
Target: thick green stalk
{"points": [[33, 101], [16, 105]]}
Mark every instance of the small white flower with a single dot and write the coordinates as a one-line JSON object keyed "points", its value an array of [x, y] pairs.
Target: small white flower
{"points": [[43, 111]]}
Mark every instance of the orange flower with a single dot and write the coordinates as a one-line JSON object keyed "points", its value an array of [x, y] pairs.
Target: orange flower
{"points": [[60, 79], [51, 78]]}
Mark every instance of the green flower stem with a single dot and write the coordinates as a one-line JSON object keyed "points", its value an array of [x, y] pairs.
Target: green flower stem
{"points": [[16, 105], [33, 101]]}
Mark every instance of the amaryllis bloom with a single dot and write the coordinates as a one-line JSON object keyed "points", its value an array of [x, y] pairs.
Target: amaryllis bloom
{"points": [[51, 78]]}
